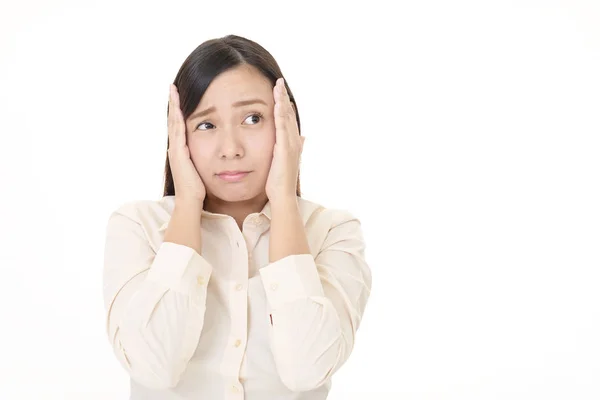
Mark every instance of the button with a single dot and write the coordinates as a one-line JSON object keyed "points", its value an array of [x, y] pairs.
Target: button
{"points": [[274, 286], [239, 287], [237, 244], [237, 343], [200, 280]]}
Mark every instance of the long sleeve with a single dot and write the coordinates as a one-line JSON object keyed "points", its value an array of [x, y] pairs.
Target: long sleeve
{"points": [[317, 304], [155, 302]]}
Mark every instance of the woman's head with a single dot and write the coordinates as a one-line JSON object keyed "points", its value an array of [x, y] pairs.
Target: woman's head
{"points": [[226, 96]]}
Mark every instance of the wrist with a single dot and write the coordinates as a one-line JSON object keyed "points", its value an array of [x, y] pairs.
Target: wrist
{"points": [[189, 204], [285, 204]]}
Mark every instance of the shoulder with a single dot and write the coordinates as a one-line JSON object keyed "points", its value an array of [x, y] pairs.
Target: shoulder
{"points": [[326, 226], [332, 229], [150, 214], [317, 213]]}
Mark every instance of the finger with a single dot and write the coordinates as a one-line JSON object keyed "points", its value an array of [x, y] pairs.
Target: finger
{"points": [[177, 125], [276, 92], [280, 117], [289, 114], [285, 99], [175, 95], [170, 118], [279, 96], [179, 122]]}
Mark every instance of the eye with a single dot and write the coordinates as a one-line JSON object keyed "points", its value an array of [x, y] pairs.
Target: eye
{"points": [[204, 123], [256, 118]]}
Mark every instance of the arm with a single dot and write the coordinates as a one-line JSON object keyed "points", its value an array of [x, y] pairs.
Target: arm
{"points": [[155, 302], [316, 303]]}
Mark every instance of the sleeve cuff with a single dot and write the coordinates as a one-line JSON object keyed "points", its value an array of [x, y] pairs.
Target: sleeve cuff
{"points": [[291, 278], [179, 268]]}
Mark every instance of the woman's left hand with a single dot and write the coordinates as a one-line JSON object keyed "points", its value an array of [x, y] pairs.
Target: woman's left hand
{"points": [[285, 166]]}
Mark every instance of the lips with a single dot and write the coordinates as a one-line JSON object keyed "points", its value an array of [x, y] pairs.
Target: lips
{"points": [[233, 176]]}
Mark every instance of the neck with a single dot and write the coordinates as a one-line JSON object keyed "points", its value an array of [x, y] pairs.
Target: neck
{"points": [[238, 210]]}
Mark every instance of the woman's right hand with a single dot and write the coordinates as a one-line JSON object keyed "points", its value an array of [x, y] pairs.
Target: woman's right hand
{"points": [[187, 181]]}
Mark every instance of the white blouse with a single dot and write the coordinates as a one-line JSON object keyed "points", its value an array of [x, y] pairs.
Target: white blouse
{"points": [[227, 324]]}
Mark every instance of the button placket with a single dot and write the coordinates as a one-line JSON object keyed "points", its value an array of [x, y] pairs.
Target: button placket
{"points": [[239, 304]]}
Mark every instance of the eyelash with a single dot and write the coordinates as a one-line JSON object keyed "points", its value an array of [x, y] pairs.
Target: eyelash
{"points": [[259, 115]]}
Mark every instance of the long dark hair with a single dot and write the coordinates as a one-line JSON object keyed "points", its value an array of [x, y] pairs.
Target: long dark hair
{"points": [[205, 63]]}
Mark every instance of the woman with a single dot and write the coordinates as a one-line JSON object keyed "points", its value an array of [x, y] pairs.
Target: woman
{"points": [[232, 286]]}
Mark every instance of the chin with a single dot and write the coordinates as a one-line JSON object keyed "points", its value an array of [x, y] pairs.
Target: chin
{"points": [[233, 194]]}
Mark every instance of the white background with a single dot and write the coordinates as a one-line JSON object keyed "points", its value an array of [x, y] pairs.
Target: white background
{"points": [[465, 136]]}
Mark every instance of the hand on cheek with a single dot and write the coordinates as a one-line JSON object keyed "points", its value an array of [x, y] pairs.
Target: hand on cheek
{"points": [[283, 176]]}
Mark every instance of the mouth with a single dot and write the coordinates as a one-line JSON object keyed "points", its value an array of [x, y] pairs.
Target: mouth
{"points": [[233, 176]]}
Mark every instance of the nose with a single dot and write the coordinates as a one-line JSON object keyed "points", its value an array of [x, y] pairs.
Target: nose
{"points": [[231, 146]]}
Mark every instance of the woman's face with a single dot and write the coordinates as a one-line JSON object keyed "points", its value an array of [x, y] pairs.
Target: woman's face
{"points": [[233, 129]]}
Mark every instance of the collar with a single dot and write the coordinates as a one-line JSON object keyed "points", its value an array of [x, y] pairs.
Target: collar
{"points": [[170, 200]]}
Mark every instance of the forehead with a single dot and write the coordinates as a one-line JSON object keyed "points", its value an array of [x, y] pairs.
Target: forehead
{"points": [[236, 84]]}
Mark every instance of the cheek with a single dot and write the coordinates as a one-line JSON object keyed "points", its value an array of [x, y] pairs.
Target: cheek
{"points": [[262, 148], [200, 158]]}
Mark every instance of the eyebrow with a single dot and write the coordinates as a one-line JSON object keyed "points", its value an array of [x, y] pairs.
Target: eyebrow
{"points": [[236, 104]]}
